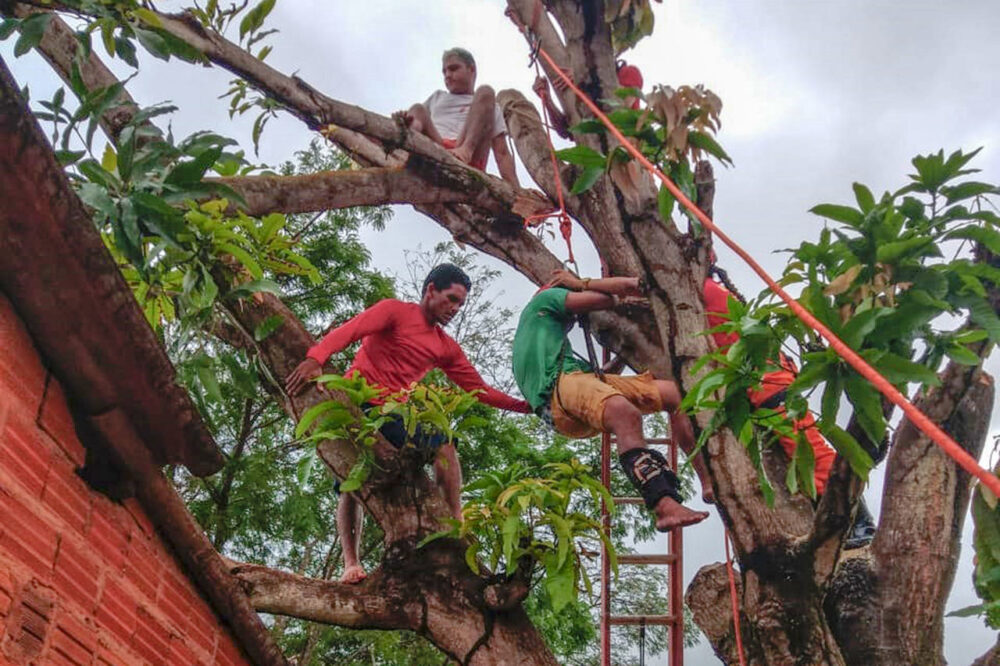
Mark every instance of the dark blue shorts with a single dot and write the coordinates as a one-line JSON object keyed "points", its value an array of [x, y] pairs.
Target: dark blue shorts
{"points": [[426, 439]]}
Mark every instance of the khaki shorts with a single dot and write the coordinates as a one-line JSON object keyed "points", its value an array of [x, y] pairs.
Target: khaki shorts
{"points": [[578, 400]]}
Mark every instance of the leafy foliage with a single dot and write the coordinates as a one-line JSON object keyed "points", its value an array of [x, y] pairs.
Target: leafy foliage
{"points": [[516, 521], [986, 540], [879, 280]]}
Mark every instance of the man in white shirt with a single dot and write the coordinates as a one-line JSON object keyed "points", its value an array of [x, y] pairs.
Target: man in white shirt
{"points": [[466, 120]]}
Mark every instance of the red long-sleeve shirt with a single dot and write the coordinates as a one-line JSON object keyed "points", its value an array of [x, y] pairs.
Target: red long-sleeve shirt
{"points": [[399, 347]]}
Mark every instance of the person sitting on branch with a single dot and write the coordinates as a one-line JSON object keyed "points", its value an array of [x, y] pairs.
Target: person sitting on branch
{"points": [[400, 343], [565, 392], [464, 119]]}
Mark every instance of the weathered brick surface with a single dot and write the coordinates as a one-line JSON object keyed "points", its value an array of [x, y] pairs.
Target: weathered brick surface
{"points": [[115, 594]]}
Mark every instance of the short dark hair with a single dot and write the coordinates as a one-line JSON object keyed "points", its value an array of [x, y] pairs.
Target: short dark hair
{"points": [[461, 54], [445, 275]]}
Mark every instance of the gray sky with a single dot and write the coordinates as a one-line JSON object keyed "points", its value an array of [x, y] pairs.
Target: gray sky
{"points": [[816, 95]]}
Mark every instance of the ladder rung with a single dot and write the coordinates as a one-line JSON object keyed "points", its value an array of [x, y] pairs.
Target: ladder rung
{"points": [[638, 619], [664, 558], [652, 440], [629, 500]]}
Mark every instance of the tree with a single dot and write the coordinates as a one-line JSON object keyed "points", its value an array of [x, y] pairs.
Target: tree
{"points": [[789, 552]]}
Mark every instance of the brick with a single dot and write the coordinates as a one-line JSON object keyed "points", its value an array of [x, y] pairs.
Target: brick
{"points": [[139, 518], [116, 612], [6, 594], [26, 535], [21, 368], [56, 421], [174, 605], [67, 495], [113, 654], [181, 653], [151, 639], [29, 623], [74, 641], [24, 457], [106, 536], [77, 574], [202, 635], [142, 567]]}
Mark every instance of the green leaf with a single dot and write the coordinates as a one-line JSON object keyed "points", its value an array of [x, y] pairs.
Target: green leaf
{"points": [[832, 392], [812, 373], [470, 557], [560, 582], [864, 197], [304, 467], [586, 179], [987, 237], [126, 50], [708, 143], [888, 253], [209, 382], [148, 17], [312, 414], [899, 370], [511, 528], [265, 328], [867, 403], [255, 286], [805, 465], [154, 43], [665, 202], [191, 172], [968, 190], [582, 156], [848, 447], [849, 216], [968, 611], [861, 325], [7, 27], [254, 19], [962, 355], [248, 262], [32, 29]]}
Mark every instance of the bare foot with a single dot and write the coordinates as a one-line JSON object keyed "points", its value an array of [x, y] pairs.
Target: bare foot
{"points": [[461, 153], [708, 495], [403, 118], [670, 514], [355, 573]]}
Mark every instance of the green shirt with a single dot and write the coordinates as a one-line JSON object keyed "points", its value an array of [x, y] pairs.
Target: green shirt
{"points": [[540, 343]]}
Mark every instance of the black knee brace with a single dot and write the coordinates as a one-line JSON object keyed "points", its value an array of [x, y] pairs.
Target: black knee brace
{"points": [[648, 471]]}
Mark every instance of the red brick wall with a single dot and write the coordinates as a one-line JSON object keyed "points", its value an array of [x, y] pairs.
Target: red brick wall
{"points": [[83, 580]]}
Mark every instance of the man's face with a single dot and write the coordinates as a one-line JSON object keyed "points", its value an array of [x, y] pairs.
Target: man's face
{"points": [[442, 305], [459, 78]]}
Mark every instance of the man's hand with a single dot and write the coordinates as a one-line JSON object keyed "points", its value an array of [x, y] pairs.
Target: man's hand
{"points": [[306, 371], [541, 87], [557, 81], [563, 278]]}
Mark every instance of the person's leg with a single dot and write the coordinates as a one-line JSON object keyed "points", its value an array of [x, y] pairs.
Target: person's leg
{"points": [[349, 523], [473, 144], [448, 474], [683, 434], [646, 468], [418, 119]]}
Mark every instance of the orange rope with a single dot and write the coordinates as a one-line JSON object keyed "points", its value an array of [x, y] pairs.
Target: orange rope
{"points": [[917, 417], [565, 223], [736, 606]]}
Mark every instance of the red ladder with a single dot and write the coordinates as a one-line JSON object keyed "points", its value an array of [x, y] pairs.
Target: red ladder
{"points": [[673, 558]]}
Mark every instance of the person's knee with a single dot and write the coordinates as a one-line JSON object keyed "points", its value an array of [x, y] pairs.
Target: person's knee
{"points": [[485, 92], [670, 395], [620, 413]]}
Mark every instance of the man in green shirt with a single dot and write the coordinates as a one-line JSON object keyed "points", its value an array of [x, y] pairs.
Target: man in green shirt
{"points": [[564, 391]]}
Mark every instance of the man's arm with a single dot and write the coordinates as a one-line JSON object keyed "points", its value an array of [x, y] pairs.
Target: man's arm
{"points": [[558, 119], [459, 370], [590, 294], [505, 161], [376, 318]]}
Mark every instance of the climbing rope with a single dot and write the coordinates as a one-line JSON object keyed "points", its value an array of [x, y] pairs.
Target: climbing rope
{"points": [[565, 223], [736, 606], [917, 417]]}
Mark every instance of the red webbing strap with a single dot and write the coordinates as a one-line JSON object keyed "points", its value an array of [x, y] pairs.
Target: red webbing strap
{"points": [[736, 605], [917, 418]]}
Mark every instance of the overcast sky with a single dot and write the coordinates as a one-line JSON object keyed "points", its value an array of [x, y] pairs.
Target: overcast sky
{"points": [[817, 95]]}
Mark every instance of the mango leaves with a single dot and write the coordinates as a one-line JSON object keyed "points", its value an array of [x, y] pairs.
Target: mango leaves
{"points": [[876, 277], [986, 539], [521, 520]]}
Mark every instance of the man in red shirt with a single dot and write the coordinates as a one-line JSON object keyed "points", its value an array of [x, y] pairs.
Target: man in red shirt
{"points": [[400, 343]]}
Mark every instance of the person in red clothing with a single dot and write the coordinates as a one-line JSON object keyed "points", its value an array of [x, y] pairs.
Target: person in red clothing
{"points": [[400, 343], [771, 394], [772, 389]]}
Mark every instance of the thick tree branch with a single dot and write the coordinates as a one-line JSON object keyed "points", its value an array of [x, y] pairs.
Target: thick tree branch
{"points": [[330, 190]]}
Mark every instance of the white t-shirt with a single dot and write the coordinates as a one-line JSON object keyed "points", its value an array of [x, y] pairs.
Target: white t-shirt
{"points": [[449, 111]]}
